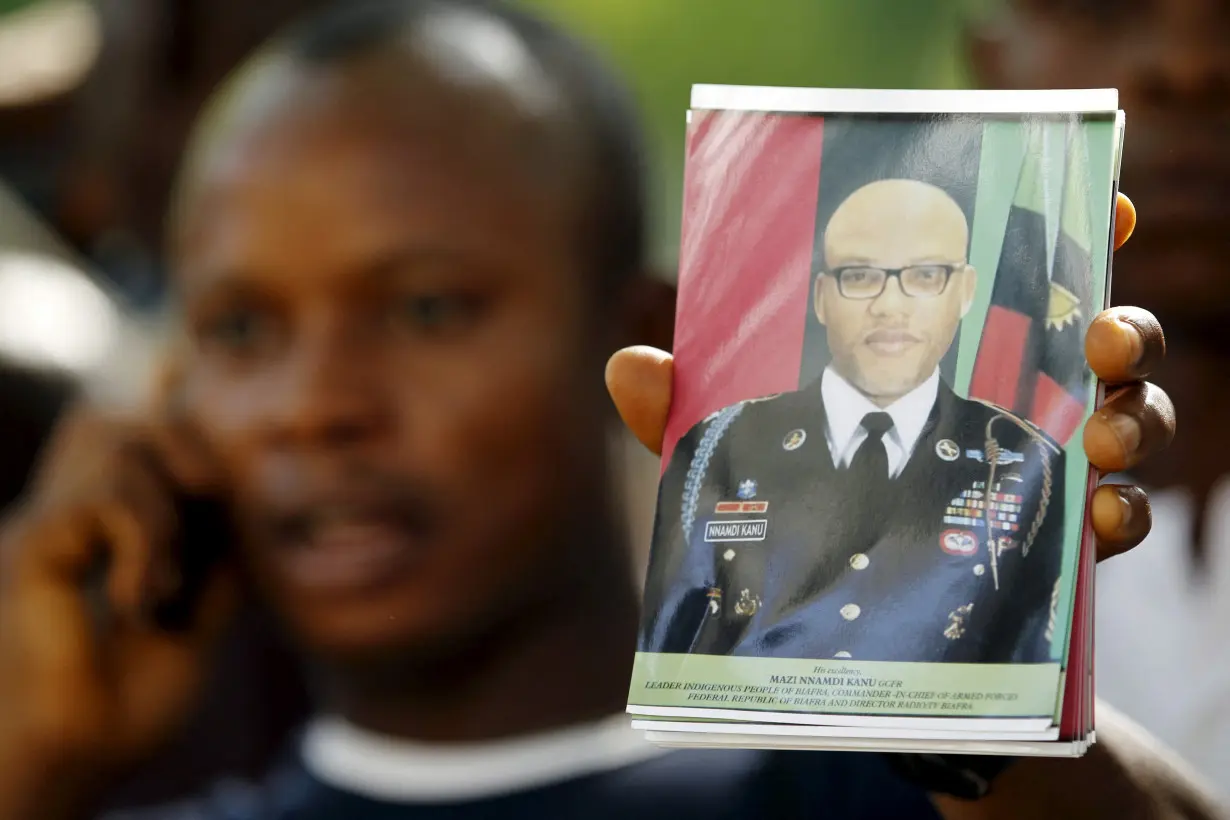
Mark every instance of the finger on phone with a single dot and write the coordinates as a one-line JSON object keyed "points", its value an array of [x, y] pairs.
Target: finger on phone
{"points": [[639, 380], [127, 547], [177, 439], [1136, 421], [1121, 518], [144, 486], [1124, 344]]}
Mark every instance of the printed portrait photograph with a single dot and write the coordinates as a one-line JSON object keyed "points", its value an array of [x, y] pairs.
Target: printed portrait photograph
{"points": [[874, 450]]}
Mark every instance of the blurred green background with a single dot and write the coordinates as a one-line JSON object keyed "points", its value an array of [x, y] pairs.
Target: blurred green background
{"points": [[664, 46]]}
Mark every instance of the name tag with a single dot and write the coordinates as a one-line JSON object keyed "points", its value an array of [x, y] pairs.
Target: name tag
{"points": [[736, 530]]}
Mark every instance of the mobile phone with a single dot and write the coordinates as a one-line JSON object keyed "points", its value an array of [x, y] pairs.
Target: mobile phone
{"points": [[206, 535]]}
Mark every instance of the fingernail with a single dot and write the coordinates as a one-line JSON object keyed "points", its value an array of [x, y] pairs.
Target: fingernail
{"points": [[1131, 336], [1126, 430], [1125, 511]]}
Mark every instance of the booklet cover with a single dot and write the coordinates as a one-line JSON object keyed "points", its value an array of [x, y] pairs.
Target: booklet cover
{"points": [[873, 502]]}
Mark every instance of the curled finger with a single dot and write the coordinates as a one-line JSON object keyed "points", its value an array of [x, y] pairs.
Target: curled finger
{"points": [[1124, 344], [1136, 421], [1121, 518]]}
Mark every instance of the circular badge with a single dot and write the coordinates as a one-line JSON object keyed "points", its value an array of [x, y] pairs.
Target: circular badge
{"points": [[947, 449], [958, 542], [794, 439]]}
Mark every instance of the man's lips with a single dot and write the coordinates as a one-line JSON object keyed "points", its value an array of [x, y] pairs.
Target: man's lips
{"points": [[349, 546], [890, 342]]}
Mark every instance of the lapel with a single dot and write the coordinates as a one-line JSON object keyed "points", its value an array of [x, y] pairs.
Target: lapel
{"points": [[940, 425]]}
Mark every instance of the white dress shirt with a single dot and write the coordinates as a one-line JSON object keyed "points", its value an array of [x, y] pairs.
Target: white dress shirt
{"points": [[845, 407]]}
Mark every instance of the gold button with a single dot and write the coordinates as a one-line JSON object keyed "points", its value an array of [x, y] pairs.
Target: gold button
{"points": [[979, 569], [843, 654], [851, 611], [859, 561], [729, 555]]}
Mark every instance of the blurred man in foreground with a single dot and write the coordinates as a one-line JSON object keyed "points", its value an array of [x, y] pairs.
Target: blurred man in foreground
{"points": [[1169, 602], [402, 265]]}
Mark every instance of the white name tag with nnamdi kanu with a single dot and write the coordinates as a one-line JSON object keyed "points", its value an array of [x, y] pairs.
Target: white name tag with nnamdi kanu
{"points": [[716, 531]]}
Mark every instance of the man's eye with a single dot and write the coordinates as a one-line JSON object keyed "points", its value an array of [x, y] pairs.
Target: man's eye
{"points": [[436, 312], [236, 331]]}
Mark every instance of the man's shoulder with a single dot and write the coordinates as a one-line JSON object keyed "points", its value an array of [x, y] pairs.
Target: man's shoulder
{"points": [[744, 417], [772, 402], [1005, 425], [768, 412]]}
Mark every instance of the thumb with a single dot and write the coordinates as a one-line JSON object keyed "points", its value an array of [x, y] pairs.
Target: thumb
{"points": [[639, 380]]}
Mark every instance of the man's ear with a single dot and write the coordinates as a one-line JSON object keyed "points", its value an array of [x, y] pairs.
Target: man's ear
{"points": [[969, 287], [818, 298], [648, 312]]}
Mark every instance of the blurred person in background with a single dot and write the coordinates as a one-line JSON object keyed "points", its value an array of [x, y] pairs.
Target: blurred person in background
{"points": [[45, 54], [409, 237], [1163, 623], [96, 100]]}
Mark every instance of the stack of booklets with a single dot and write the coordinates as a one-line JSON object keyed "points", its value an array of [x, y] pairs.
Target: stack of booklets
{"points": [[871, 529]]}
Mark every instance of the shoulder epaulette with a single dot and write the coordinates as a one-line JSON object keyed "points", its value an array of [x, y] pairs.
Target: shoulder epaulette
{"points": [[712, 416], [1032, 430]]}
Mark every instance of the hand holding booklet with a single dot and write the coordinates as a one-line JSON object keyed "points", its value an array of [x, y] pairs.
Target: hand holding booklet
{"points": [[872, 529]]}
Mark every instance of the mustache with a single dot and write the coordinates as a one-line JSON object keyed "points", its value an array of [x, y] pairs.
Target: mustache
{"points": [[304, 498], [890, 334]]}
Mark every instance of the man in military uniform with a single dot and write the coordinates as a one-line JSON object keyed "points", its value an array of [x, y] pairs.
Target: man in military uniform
{"points": [[874, 514]]}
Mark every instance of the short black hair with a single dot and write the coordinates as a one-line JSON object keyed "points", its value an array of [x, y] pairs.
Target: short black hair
{"points": [[599, 101]]}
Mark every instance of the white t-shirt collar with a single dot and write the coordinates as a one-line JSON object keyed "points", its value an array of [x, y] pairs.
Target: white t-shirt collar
{"points": [[354, 760]]}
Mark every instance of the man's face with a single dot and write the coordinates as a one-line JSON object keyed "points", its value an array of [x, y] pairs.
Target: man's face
{"points": [[1170, 60], [889, 343], [391, 359]]}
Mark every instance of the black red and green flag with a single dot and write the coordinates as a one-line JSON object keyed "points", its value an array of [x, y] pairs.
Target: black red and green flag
{"points": [[1031, 356], [1062, 386], [1009, 354]]}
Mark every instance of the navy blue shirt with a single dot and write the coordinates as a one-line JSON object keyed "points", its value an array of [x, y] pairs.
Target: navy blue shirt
{"points": [[680, 785]]}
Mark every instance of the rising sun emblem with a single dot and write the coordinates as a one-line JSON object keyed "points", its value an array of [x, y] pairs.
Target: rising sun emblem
{"points": [[1064, 308]]}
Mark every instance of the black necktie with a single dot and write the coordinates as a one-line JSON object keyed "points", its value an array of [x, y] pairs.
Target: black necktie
{"points": [[869, 467]]}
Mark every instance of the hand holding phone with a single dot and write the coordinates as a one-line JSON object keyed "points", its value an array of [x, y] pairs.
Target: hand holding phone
{"points": [[112, 588]]}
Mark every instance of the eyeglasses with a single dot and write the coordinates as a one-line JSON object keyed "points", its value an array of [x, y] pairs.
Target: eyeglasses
{"points": [[918, 281]]}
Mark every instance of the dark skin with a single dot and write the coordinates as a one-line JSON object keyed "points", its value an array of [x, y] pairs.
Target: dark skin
{"points": [[1171, 63], [390, 359], [366, 343], [371, 371]]}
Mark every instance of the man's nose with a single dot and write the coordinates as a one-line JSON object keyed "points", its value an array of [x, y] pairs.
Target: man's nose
{"points": [[330, 392], [891, 300]]}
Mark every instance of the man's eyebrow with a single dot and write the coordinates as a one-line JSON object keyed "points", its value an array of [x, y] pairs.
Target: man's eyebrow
{"points": [[397, 260], [212, 283]]}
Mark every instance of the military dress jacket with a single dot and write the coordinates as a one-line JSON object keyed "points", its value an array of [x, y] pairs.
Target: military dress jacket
{"points": [[762, 547]]}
